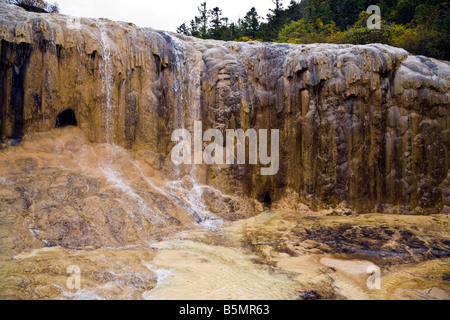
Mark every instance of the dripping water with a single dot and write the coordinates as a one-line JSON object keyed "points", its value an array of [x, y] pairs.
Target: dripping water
{"points": [[107, 78], [186, 112]]}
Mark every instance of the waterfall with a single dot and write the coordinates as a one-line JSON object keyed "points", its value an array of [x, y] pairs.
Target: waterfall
{"points": [[183, 187], [187, 77], [106, 69]]}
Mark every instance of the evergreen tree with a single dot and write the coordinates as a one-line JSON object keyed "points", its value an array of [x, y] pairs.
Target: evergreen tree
{"points": [[216, 23], [202, 21], [183, 29], [194, 27], [276, 20], [419, 26], [295, 11], [251, 24]]}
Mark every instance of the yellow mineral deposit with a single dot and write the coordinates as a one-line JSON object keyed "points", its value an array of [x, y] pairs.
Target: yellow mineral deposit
{"points": [[92, 207]]}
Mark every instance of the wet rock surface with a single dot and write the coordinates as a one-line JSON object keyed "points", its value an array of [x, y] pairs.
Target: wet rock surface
{"points": [[105, 274], [332, 255], [363, 129], [379, 241], [388, 239], [363, 125], [59, 190]]}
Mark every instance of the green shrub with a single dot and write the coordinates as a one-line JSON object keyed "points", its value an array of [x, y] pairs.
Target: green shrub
{"points": [[40, 6], [418, 37], [303, 32]]}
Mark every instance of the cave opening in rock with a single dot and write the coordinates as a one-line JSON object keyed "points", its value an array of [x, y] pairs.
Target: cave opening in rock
{"points": [[65, 119], [267, 202]]}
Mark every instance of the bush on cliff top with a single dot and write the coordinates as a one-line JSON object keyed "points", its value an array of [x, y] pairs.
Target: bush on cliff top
{"points": [[39, 6]]}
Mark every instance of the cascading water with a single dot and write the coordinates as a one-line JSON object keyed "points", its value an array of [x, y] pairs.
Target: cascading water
{"points": [[67, 199], [153, 214], [183, 188], [106, 68], [187, 111]]}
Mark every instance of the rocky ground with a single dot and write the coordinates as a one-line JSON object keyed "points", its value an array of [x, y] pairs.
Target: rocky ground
{"points": [[412, 252], [43, 274], [275, 255]]}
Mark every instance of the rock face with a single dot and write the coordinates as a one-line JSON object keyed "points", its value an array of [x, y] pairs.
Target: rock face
{"points": [[367, 126]]}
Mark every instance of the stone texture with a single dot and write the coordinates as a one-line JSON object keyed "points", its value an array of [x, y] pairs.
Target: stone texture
{"points": [[56, 190], [59, 190], [363, 127]]}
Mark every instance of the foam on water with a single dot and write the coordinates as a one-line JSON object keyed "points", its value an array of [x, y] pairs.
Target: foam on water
{"points": [[3, 180], [82, 295], [162, 278]]}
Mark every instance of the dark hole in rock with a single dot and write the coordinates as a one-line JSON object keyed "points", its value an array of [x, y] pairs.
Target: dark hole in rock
{"points": [[92, 55], [65, 119], [267, 201]]}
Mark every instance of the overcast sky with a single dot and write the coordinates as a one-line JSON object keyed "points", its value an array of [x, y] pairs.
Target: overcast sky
{"points": [[163, 15]]}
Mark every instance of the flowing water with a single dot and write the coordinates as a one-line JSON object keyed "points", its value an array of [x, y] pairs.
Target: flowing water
{"points": [[107, 80], [203, 272], [186, 89]]}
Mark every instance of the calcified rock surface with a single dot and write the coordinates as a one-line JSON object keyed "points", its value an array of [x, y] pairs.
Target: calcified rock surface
{"points": [[364, 125], [363, 129]]}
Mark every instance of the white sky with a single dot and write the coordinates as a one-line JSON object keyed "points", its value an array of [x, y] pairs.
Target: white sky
{"points": [[163, 15]]}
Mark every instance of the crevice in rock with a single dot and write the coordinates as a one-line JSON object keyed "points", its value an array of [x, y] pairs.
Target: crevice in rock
{"points": [[93, 55], [160, 66], [3, 96], [66, 118], [266, 199], [14, 64]]}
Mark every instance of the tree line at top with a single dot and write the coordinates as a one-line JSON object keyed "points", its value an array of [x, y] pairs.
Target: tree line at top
{"points": [[421, 27]]}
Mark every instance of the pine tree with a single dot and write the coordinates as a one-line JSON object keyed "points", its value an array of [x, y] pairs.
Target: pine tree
{"points": [[276, 21], [183, 29], [251, 24], [202, 21], [216, 23]]}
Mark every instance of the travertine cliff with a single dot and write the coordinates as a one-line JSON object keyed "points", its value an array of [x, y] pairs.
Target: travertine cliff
{"points": [[367, 126]]}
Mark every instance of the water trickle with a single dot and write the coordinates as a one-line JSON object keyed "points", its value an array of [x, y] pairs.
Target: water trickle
{"points": [[107, 78], [190, 193], [186, 89], [151, 215], [179, 70]]}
